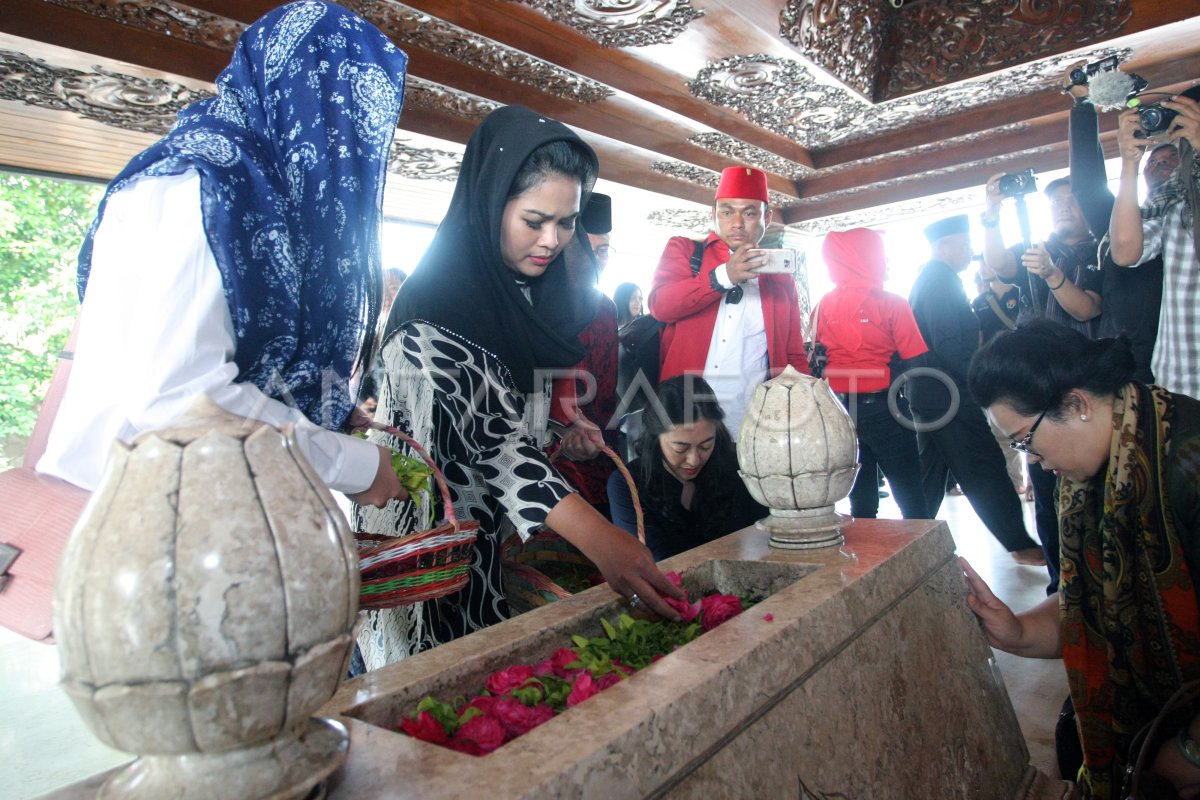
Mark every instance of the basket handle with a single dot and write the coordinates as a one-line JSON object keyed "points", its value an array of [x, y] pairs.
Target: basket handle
{"points": [[447, 505], [629, 481], [633, 492]]}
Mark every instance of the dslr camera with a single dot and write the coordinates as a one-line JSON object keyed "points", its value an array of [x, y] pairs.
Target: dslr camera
{"points": [[1081, 75], [1154, 118], [1018, 184]]}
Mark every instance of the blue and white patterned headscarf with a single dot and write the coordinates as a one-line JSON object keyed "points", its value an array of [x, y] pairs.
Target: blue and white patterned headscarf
{"points": [[291, 155]]}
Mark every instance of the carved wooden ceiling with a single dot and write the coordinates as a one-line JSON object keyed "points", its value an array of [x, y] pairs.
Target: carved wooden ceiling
{"points": [[847, 104]]}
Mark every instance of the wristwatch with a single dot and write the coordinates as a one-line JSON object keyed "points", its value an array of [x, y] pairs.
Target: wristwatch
{"points": [[989, 221]]}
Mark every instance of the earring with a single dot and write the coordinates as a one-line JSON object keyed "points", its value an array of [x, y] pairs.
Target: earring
{"points": [[1083, 417]]}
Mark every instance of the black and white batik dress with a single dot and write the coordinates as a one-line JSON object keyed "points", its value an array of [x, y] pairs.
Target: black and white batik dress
{"points": [[459, 401]]}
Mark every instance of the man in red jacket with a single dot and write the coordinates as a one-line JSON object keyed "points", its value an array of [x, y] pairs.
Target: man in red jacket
{"points": [[726, 322]]}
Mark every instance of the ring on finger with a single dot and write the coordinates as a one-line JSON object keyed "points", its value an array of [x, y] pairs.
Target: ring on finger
{"points": [[634, 600]]}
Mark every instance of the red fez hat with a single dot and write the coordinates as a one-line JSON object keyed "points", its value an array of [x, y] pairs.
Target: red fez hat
{"points": [[743, 183]]}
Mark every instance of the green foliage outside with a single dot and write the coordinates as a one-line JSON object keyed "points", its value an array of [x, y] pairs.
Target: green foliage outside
{"points": [[42, 223]]}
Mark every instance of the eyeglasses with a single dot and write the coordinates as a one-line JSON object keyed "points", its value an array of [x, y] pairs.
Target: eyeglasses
{"points": [[1022, 446]]}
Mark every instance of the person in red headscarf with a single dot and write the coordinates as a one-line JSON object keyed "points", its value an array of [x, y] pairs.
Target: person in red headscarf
{"points": [[863, 328], [724, 320]]}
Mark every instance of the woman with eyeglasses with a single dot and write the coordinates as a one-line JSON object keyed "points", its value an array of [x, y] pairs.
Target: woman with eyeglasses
{"points": [[1125, 620]]}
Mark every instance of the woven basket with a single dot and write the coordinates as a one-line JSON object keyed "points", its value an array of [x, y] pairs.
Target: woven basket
{"points": [[401, 570], [546, 567]]}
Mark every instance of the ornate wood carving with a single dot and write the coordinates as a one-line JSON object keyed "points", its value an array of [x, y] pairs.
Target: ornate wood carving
{"points": [[621, 23], [707, 178], [933, 44], [909, 152], [785, 97], [1013, 161], [885, 52], [844, 37], [166, 17], [955, 201], [402, 23], [431, 96], [696, 221], [407, 25], [738, 152], [423, 163], [147, 105]]}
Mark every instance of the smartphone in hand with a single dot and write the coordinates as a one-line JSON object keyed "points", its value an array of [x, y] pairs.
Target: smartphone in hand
{"points": [[780, 261]]}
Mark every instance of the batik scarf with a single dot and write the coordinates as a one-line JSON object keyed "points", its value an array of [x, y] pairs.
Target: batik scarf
{"points": [[1128, 602], [291, 155]]}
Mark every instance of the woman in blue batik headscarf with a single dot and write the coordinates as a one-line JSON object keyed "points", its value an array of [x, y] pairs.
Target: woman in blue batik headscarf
{"points": [[239, 255]]}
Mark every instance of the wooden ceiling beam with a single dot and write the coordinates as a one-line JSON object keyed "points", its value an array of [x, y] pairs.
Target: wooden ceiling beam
{"points": [[649, 87], [1041, 132], [925, 186], [1162, 63], [628, 70], [61, 27]]}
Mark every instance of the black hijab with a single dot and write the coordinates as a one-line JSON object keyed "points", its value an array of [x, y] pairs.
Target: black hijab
{"points": [[462, 283]]}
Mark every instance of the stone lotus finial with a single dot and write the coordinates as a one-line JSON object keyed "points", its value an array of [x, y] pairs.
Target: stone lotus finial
{"points": [[204, 609], [798, 454]]}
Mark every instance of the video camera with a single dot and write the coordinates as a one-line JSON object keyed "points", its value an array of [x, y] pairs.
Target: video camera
{"points": [[1017, 184], [1081, 75]]}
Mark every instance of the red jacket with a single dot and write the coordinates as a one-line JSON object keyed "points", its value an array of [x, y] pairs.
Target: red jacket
{"points": [[688, 305]]}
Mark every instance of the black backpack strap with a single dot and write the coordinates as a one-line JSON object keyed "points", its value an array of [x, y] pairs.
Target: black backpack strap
{"points": [[697, 257]]}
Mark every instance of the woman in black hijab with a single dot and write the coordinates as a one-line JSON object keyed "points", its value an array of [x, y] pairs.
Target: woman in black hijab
{"points": [[494, 307]]}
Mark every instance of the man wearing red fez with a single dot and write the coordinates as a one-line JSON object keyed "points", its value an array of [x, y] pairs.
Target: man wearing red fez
{"points": [[723, 320], [953, 436]]}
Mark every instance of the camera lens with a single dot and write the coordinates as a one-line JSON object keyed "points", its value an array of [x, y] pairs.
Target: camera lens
{"points": [[1155, 118], [1079, 76]]}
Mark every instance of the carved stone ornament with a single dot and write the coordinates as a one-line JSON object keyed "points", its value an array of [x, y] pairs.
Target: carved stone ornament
{"points": [[699, 222], [786, 98], [147, 105], [798, 455], [202, 641], [621, 23], [423, 163], [168, 18], [737, 151], [885, 53], [707, 178]]}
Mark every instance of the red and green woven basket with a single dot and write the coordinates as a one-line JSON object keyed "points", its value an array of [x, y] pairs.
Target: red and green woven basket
{"points": [[401, 570]]}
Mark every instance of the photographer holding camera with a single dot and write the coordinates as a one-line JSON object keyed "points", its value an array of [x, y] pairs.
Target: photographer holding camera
{"points": [[1058, 279], [1131, 297], [1168, 224]]}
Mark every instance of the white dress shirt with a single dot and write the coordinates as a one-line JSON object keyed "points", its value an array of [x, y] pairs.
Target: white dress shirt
{"points": [[737, 354], [155, 332]]}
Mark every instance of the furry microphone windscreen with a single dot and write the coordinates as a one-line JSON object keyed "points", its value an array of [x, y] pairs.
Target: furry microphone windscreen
{"points": [[1108, 90]]}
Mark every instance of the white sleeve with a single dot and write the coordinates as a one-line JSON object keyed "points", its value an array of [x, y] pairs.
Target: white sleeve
{"points": [[155, 332]]}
